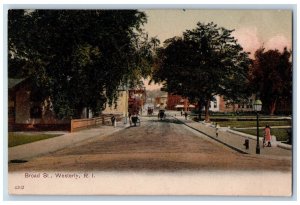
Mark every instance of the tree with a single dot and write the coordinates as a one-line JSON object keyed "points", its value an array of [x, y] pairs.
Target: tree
{"points": [[79, 58], [205, 62], [271, 77]]}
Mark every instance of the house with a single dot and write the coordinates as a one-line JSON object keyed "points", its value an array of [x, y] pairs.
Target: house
{"points": [[26, 114], [122, 104]]}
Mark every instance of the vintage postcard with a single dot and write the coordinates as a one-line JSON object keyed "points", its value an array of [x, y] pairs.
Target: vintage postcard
{"points": [[150, 102]]}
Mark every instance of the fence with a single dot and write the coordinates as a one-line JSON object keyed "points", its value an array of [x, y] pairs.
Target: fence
{"points": [[105, 119]]}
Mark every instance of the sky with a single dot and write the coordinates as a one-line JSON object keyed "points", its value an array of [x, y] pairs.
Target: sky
{"points": [[253, 28]]}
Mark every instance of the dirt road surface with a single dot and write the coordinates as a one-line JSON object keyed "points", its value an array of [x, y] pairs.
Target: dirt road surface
{"points": [[155, 146]]}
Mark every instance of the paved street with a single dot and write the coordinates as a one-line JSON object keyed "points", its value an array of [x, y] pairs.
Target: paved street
{"points": [[156, 145]]}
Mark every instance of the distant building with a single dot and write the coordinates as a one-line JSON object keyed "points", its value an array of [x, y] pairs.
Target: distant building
{"points": [[227, 106], [136, 100], [161, 101], [177, 102], [173, 101]]}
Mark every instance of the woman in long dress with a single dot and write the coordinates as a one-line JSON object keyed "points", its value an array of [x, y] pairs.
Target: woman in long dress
{"points": [[268, 135]]}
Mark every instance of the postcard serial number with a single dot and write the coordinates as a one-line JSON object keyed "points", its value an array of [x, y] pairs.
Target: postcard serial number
{"points": [[19, 187]]}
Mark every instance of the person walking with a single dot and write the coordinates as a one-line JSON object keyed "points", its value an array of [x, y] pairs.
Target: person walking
{"points": [[267, 136], [113, 121], [185, 115]]}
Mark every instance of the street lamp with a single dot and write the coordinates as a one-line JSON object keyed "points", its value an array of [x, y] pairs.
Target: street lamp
{"points": [[257, 108]]}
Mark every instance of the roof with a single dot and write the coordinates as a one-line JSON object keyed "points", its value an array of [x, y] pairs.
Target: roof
{"points": [[13, 82]]}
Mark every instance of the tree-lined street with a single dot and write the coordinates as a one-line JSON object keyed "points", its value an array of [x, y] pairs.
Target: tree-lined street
{"points": [[83, 72], [156, 145]]}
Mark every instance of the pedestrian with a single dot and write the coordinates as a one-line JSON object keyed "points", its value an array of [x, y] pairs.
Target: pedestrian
{"points": [[185, 115], [267, 136], [113, 120], [181, 112]]}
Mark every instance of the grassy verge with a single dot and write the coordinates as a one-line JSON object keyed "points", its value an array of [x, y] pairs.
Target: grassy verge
{"points": [[281, 134], [240, 124], [15, 139]]}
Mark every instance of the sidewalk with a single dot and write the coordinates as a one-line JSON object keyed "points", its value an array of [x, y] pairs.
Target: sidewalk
{"points": [[235, 140], [27, 151]]}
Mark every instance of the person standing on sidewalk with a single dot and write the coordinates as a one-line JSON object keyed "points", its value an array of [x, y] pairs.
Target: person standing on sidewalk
{"points": [[113, 121], [268, 135], [185, 115], [217, 130]]}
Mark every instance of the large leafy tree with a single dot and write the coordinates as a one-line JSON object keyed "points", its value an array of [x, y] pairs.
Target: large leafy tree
{"points": [[80, 58], [205, 62], [271, 77]]}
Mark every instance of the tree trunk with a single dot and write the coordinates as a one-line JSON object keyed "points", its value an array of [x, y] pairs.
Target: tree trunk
{"points": [[272, 107], [199, 110], [185, 105], [207, 111]]}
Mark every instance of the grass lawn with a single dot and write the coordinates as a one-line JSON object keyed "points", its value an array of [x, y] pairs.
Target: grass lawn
{"points": [[239, 124], [281, 134], [15, 139]]}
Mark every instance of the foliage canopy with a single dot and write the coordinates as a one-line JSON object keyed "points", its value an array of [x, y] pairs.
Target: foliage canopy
{"points": [[80, 58], [204, 62], [271, 77]]}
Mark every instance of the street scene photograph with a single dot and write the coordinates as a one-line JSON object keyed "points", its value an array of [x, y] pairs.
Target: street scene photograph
{"points": [[150, 102]]}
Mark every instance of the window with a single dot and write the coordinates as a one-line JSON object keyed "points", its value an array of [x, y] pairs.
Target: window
{"points": [[215, 104]]}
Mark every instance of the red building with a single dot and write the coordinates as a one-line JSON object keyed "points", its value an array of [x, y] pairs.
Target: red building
{"points": [[174, 100], [177, 102], [136, 100]]}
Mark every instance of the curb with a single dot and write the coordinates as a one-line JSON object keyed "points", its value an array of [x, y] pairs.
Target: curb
{"points": [[243, 134], [228, 145]]}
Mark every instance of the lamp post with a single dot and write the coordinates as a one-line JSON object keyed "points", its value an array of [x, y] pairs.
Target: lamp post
{"points": [[257, 107]]}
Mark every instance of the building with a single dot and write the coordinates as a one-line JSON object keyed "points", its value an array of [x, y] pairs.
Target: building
{"points": [[177, 102], [227, 106], [122, 105], [161, 101], [174, 101], [26, 114], [136, 100], [218, 104]]}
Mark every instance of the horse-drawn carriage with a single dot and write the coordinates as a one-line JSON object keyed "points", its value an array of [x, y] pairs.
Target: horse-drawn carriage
{"points": [[161, 114], [150, 111], [134, 119]]}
